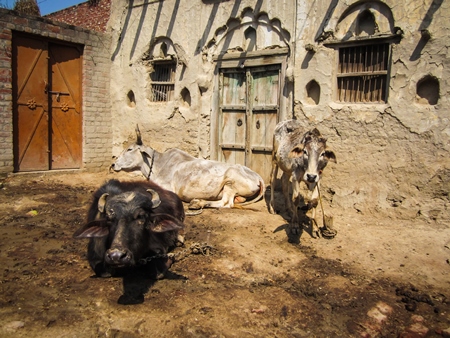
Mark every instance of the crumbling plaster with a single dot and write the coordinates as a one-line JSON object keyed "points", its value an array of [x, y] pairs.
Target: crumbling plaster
{"points": [[197, 27], [392, 157]]}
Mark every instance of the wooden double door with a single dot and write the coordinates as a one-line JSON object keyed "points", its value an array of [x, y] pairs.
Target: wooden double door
{"points": [[46, 104], [248, 113]]}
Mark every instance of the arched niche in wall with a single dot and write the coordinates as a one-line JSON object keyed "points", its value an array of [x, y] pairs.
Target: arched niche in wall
{"points": [[427, 91], [185, 95], [250, 39], [362, 38], [366, 24], [161, 58], [313, 92], [160, 48], [248, 33], [371, 18], [131, 100]]}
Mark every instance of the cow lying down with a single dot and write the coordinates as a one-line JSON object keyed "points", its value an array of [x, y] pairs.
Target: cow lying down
{"points": [[128, 222], [203, 183]]}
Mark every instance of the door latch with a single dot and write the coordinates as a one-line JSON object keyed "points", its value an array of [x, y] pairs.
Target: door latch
{"points": [[58, 94]]}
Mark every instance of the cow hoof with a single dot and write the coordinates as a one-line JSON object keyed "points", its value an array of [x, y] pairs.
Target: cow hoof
{"points": [[180, 241], [239, 199], [194, 205], [316, 234], [328, 232], [164, 268]]}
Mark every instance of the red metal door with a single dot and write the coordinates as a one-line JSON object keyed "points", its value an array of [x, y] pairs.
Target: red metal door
{"points": [[46, 104]]}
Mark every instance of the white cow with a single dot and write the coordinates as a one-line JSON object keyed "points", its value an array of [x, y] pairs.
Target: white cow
{"points": [[301, 156], [203, 183]]}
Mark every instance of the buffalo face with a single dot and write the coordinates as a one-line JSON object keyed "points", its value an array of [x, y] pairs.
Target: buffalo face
{"points": [[128, 228]]}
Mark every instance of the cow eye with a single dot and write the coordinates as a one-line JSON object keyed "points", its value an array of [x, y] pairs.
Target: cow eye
{"points": [[140, 217], [110, 214]]}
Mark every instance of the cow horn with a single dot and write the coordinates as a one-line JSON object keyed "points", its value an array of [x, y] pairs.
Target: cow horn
{"points": [[156, 201], [316, 132], [138, 136], [102, 203]]}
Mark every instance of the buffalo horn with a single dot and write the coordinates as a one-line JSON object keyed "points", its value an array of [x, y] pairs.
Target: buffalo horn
{"points": [[156, 201]]}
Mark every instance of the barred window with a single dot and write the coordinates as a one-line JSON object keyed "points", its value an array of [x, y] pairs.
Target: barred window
{"points": [[363, 73], [163, 81]]}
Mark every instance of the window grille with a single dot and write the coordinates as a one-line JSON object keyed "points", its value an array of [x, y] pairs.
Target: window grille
{"points": [[363, 73], [163, 81]]}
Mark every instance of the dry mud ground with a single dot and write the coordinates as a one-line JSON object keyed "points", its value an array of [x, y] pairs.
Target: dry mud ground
{"points": [[379, 277]]}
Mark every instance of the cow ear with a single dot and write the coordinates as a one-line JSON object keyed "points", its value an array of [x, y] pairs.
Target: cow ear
{"points": [[163, 223], [330, 155], [146, 150], [102, 202], [295, 152], [94, 229]]}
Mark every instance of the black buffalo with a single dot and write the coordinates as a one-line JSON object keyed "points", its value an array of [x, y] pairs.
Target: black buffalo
{"points": [[129, 222]]}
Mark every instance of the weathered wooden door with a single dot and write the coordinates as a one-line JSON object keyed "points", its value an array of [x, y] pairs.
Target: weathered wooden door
{"points": [[249, 111], [46, 104]]}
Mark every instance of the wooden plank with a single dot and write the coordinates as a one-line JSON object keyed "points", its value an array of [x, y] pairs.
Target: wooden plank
{"points": [[31, 129], [369, 73]]}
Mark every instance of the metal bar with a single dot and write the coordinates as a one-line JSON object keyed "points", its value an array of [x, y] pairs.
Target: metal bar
{"points": [[237, 107], [267, 149], [380, 72], [59, 93], [232, 146], [268, 107]]}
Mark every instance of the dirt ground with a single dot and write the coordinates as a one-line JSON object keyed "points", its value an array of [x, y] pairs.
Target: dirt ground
{"points": [[379, 277]]}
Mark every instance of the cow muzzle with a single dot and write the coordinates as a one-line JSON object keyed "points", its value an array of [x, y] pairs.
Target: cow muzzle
{"points": [[311, 178], [118, 257], [114, 167]]}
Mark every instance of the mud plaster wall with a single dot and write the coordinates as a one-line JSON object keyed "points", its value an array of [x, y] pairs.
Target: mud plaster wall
{"points": [[191, 25], [392, 158]]}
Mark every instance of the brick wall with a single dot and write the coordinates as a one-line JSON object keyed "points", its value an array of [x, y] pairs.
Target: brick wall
{"points": [[96, 110], [6, 145], [84, 15]]}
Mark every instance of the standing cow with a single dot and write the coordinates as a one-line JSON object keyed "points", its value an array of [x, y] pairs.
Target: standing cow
{"points": [[302, 156], [203, 183], [128, 222]]}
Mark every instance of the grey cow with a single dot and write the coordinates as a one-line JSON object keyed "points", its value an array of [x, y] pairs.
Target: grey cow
{"points": [[203, 183], [301, 156]]}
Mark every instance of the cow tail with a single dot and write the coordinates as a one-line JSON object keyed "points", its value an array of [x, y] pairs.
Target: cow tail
{"points": [[262, 190]]}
